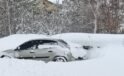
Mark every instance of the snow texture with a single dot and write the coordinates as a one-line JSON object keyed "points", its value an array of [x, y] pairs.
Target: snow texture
{"points": [[107, 60]]}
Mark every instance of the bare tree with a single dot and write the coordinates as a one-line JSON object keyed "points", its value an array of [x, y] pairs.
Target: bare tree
{"points": [[94, 5], [110, 16]]}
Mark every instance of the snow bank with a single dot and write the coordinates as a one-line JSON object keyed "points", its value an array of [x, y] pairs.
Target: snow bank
{"points": [[91, 39], [109, 63], [95, 40]]}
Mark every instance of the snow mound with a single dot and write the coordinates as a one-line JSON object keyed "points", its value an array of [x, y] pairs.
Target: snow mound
{"points": [[109, 65], [91, 39], [109, 61]]}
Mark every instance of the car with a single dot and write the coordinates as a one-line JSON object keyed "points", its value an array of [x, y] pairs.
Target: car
{"points": [[41, 49], [47, 49]]}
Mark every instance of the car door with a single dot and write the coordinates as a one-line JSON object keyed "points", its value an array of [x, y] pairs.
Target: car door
{"points": [[44, 51], [27, 50], [42, 54], [26, 54]]}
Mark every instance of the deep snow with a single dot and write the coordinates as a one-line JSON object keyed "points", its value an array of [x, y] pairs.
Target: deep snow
{"points": [[108, 60], [92, 39]]}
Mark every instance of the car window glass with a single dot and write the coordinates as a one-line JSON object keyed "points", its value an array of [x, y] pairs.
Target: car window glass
{"points": [[50, 43], [44, 46], [63, 44], [28, 45], [37, 44], [47, 44]]}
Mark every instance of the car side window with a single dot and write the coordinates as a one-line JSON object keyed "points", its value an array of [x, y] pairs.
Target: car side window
{"points": [[28, 45], [46, 44], [63, 43]]}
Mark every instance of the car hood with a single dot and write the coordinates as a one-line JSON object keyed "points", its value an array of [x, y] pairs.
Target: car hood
{"points": [[9, 51]]}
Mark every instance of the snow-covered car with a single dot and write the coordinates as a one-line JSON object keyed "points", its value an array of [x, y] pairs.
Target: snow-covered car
{"points": [[41, 49], [46, 50]]}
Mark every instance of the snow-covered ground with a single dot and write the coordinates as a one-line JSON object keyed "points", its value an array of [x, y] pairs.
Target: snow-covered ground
{"points": [[108, 60]]}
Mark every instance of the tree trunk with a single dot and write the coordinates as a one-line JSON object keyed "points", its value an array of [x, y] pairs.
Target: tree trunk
{"points": [[8, 14]]}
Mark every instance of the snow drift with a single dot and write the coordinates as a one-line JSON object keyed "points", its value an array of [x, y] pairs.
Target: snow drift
{"points": [[110, 61], [92, 39]]}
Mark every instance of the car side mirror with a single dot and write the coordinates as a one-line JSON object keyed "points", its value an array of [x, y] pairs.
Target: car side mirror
{"points": [[87, 47]]}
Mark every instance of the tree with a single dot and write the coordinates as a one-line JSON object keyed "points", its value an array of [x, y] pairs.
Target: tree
{"points": [[109, 23], [95, 5]]}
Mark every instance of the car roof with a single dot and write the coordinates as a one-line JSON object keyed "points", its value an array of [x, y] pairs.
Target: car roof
{"points": [[52, 39]]}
